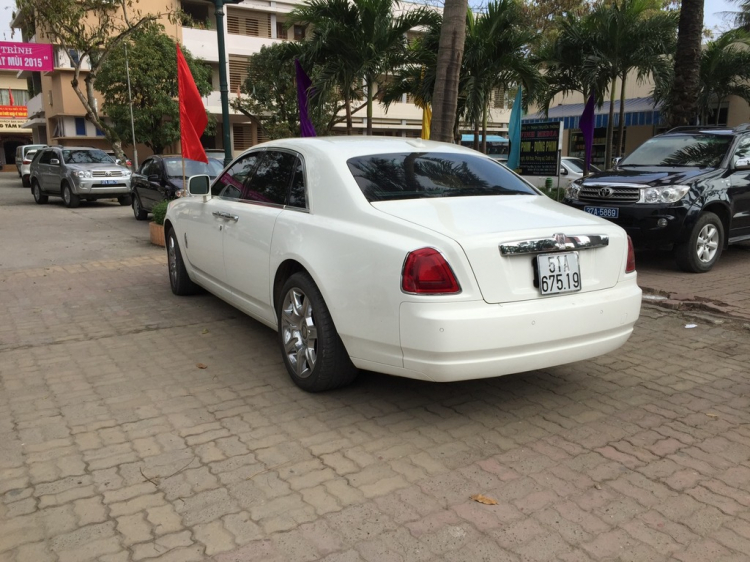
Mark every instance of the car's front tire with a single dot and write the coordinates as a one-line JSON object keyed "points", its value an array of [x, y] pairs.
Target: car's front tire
{"points": [[313, 353], [179, 280], [70, 199], [36, 191], [703, 247], [138, 212]]}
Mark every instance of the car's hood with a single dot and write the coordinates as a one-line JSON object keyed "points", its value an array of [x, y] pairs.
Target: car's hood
{"points": [[655, 176], [482, 224], [97, 166]]}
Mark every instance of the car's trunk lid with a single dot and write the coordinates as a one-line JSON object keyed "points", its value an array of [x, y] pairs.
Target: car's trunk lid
{"points": [[481, 225]]}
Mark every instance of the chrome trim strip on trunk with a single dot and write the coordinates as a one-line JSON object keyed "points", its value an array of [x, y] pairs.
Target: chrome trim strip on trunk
{"points": [[556, 243]]}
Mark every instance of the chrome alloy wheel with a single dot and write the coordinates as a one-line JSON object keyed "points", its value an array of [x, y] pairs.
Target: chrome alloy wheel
{"points": [[37, 192], [299, 334], [172, 259], [707, 243], [136, 207], [66, 195]]}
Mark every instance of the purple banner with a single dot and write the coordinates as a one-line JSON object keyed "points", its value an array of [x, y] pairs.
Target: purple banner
{"points": [[26, 56]]}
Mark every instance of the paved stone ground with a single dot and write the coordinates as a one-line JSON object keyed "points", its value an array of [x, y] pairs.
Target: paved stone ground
{"points": [[115, 446]]}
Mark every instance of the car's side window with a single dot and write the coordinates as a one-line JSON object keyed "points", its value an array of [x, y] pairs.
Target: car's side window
{"points": [[270, 183], [230, 184], [46, 157], [743, 150], [145, 166], [297, 197]]}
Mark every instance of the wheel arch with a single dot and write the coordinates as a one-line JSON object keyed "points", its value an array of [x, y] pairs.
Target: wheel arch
{"points": [[286, 269], [167, 226], [722, 211]]}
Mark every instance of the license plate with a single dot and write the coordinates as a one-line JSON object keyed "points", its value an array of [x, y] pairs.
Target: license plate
{"points": [[558, 273], [109, 182], [606, 212]]}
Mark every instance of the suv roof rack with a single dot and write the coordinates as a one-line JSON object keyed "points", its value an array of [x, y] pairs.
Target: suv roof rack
{"points": [[742, 128], [687, 128]]}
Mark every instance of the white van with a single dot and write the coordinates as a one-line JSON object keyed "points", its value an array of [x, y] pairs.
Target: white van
{"points": [[21, 154]]}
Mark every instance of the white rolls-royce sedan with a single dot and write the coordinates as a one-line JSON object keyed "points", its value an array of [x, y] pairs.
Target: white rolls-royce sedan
{"points": [[407, 257]]}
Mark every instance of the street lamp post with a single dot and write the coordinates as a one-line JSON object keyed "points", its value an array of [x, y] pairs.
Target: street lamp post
{"points": [[130, 101], [223, 85]]}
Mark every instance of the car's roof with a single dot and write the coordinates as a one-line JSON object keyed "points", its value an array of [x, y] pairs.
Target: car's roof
{"points": [[359, 145], [76, 148]]}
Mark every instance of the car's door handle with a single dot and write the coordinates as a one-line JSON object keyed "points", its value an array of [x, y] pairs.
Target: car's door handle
{"points": [[223, 215]]}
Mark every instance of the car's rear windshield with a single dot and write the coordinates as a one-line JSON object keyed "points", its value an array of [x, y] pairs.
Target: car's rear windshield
{"points": [[688, 150], [86, 157], [192, 167], [417, 175]]}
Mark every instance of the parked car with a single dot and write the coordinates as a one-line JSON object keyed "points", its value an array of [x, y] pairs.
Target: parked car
{"points": [[113, 155], [26, 166], [78, 173], [408, 257], [21, 156], [160, 178], [571, 169], [688, 189]]}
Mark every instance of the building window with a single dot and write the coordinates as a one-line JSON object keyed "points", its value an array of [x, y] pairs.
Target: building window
{"points": [[244, 22], [80, 127], [281, 30], [237, 71], [243, 136], [299, 33], [99, 132]]}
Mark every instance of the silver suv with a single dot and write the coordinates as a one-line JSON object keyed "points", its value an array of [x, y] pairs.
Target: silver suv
{"points": [[78, 173]]}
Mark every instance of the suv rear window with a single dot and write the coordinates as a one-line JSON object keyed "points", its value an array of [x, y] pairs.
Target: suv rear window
{"points": [[696, 150], [417, 175]]}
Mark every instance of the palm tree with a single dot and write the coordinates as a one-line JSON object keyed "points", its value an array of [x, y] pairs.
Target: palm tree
{"points": [[497, 55], [630, 35], [724, 71], [448, 69], [684, 93], [355, 42]]}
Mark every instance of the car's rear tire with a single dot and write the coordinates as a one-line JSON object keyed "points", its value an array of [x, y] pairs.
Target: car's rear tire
{"points": [[36, 191], [703, 247], [179, 280], [25, 181], [71, 199], [138, 212], [313, 353], [125, 200]]}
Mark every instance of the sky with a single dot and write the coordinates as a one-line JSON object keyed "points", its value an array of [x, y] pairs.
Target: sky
{"points": [[712, 12]]}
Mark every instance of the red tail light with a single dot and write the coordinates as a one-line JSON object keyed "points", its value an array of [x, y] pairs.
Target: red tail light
{"points": [[630, 265], [427, 272]]}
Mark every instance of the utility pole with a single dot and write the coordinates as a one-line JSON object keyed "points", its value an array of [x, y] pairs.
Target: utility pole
{"points": [[130, 100], [223, 85]]}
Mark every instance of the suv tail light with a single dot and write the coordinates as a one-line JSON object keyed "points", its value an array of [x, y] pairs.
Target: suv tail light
{"points": [[426, 272], [630, 265]]}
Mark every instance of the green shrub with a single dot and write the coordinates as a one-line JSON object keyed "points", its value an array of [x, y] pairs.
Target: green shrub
{"points": [[160, 211]]}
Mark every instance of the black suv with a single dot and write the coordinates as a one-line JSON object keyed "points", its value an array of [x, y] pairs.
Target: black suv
{"points": [[688, 188]]}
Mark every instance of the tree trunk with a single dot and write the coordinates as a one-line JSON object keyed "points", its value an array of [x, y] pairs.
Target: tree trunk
{"points": [[718, 110], [684, 92], [621, 127], [348, 104], [475, 144], [369, 81], [484, 129], [610, 124], [449, 56]]}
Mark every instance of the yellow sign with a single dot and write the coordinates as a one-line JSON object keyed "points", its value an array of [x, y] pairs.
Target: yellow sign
{"points": [[13, 126]]}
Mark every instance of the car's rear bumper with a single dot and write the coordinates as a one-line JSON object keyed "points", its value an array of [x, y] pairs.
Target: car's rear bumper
{"points": [[447, 342]]}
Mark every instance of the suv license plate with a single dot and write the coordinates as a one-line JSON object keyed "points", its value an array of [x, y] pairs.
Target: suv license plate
{"points": [[558, 273], [606, 212], [108, 182]]}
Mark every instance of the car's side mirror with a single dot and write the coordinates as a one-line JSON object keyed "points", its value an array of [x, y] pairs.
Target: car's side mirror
{"points": [[742, 164], [563, 171], [54, 162], [616, 162], [199, 185]]}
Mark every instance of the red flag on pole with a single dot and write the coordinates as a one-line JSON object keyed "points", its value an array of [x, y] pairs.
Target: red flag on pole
{"points": [[193, 119], [10, 95]]}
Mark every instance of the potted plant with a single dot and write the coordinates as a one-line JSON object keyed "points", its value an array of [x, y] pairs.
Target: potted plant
{"points": [[156, 228]]}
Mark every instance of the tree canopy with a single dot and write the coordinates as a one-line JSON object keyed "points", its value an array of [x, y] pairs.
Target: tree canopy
{"points": [[153, 68]]}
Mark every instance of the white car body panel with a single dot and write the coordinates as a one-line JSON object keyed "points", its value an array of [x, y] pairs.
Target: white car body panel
{"points": [[355, 251]]}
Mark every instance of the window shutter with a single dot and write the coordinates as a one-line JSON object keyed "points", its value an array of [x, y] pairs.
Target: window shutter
{"points": [[243, 136]]}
